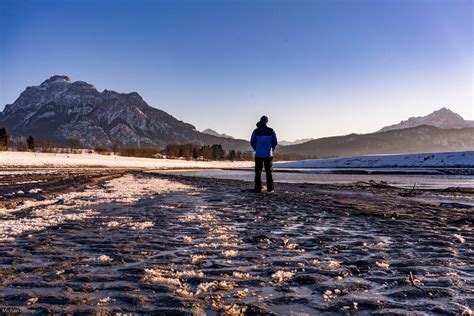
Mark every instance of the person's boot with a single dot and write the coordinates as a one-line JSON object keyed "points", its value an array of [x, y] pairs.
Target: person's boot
{"points": [[270, 187], [256, 190]]}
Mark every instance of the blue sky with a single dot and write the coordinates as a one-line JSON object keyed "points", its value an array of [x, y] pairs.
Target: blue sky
{"points": [[316, 68]]}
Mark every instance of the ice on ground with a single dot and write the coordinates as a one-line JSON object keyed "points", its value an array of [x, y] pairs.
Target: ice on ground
{"points": [[229, 253], [67, 207], [80, 216], [214, 245], [26, 205], [242, 293], [104, 301], [333, 264], [206, 287], [241, 275], [289, 245], [184, 292], [459, 238], [104, 258], [195, 259], [228, 309], [141, 225], [226, 286], [160, 276], [426, 160], [382, 264], [50, 217], [190, 274], [188, 239], [282, 276], [174, 279]]}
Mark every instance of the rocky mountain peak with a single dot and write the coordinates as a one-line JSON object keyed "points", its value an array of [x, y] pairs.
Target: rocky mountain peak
{"points": [[214, 133], [443, 118], [55, 80], [60, 109], [446, 114]]}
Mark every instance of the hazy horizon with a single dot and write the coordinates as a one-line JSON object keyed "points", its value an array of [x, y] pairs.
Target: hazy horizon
{"points": [[316, 68]]}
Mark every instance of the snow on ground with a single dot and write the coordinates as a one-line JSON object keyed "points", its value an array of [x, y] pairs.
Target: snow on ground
{"points": [[427, 160], [74, 206], [30, 159]]}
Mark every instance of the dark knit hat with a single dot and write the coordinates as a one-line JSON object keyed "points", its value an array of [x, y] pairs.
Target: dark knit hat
{"points": [[264, 119]]}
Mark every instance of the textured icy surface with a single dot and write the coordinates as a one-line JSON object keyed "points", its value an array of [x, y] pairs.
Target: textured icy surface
{"points": [[426, 160], [147, 243]]}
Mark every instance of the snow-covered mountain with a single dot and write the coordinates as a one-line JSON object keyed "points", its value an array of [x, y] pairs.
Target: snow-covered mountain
{"points": [[214, 133], [296, 142], [443, 118], [60, 109]]}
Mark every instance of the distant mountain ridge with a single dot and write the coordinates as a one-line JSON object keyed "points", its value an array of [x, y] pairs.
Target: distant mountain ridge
{"points": [[296, 142], [417, 139], [60, 109], [442, 130], [442, 118], [280, 142], [214, 133]]}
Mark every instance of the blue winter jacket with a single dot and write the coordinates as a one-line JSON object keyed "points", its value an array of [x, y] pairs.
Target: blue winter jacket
{"points": [[263, 141]]}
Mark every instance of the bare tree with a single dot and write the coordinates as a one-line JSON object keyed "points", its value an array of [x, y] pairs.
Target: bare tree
{"points": [[46, 145], [30, 142], [73, 144], [4, 138]]}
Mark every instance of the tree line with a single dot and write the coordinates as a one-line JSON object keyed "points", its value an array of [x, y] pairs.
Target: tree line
{"points": [[32, 144], [192, 151], [173, 151], [72, 145]]}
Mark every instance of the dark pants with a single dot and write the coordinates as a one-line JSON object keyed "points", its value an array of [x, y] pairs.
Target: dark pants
{"points": [[259, 163]]}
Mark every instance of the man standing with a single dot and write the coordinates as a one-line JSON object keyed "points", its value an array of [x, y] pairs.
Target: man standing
{"points": [[263, 142]]}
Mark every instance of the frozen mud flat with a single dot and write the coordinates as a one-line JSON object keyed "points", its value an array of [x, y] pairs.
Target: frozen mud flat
{"points": [[148, 242]]}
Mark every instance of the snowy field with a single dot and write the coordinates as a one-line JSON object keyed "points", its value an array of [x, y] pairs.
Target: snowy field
{"points": [[9, 159], [427, 160], [55, 160]]}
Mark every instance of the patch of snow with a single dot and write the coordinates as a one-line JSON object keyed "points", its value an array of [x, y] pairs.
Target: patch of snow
{"points": [[35, 191], [195, 259], [226, 286], [104, 258], [382, 264], [333, 264], [28, 116], [229, 253], [282, 276], [66, 207], [104, 301], [206, 287], [141, 225], [460, 239], [188, 239], [241, 275], [46, 114], [242, 294], [161, 277], [190, 274]]}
